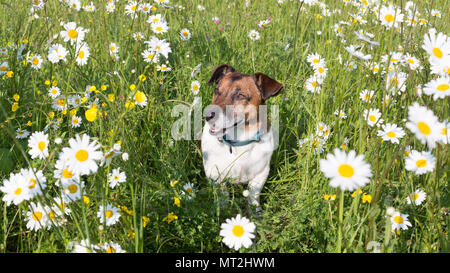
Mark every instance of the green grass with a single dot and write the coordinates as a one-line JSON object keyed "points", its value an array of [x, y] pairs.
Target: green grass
{"points": [[295, 216]]}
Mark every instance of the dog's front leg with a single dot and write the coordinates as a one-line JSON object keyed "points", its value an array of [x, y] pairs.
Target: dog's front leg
{"points": [[255, 186]]}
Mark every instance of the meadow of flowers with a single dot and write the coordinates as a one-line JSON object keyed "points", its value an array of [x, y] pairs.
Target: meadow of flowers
{"points": [[88, 162]]}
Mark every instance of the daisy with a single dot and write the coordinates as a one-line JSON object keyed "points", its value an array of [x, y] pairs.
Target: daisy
{"points": [[340, 114], [372, 117], [74, 100], [57, 53], [396, 81], [154, 18], [75, 4], [36, 61], [59, 103], [145, 7], [445, 132], [116, 177], [4, 68], [366, 95], [163, 68], [82, 155], [54, 92], [160, 27], [253, 35], [160, 46], [36, 179], [195, 87], [399, 221], [72, 190], [140, 98], [109, 213], [60, 206], [390, 16], [82, 53], [38, 143], [73, 33], [150, 56], [113, 49], [315, 59], [437, 46], [439, 88], [416, 197], [90, 7], [138, 36], [22, 133], [111, 247], [76, 121], [36, 217], [107, 158], [185, 34], [83, 247], [420, 162], [391, 133], [320, 71], [15, 189], [437, 66], [110, 7], [346, 171], [358, 54], [424, 124], [313, 84], [412, 62], [131, 7], [195, 70], [237, 232], [189, 189]]}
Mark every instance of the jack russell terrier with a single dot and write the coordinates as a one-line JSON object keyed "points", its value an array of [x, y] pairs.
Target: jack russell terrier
{"points": [[236, 142]]}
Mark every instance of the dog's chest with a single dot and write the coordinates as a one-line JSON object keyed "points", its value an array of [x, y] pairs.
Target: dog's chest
{"points": [[242, 164]]}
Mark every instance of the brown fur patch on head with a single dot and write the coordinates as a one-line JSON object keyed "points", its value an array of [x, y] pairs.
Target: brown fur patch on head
{"points": [[244, 92]]}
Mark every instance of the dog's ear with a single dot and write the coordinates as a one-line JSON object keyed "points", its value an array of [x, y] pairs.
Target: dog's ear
{"points": [[268, 87], [219, 72]]}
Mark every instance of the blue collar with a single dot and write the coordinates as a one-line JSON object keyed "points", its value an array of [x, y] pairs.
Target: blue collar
{"points": [[237, 143]]}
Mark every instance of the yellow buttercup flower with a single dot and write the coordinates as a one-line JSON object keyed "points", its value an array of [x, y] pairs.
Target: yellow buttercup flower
{"points": [[10, 74], [14, 107], [16, 97], [170, 217], [366, 198], [176, 201], [91, 114]]}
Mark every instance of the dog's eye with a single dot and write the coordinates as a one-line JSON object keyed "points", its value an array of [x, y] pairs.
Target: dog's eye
{"points": [[242, 96]]}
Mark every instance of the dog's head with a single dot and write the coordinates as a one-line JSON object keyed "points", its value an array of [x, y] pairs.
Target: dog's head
{"points": [[237, 98]]}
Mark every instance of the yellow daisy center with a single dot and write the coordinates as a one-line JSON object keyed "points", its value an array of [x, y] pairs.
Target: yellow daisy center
{"points": [[437, 52], [66, 173], [73, 188], [33, 183], [391, 134], [82, 155], [346, 170], [372, 118], [18, 191], [238, 230], [3, 68], [73, 34], [424, 128], [421, 163], [109, 214], [159, 29], [414, 196], [443, 87], [111, 250], [35, 61], [398, 219], [411, 61], [37, 216], [389, 18], [41, 145], [81, 54]]}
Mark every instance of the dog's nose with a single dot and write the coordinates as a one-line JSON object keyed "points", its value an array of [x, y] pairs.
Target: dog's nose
{"points": [[210, 115]]}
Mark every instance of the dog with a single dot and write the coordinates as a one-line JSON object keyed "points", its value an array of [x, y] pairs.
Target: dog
{"points": [[236, 142]]}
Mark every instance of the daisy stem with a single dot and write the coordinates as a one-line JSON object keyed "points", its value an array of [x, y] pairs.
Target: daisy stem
{"points": [[341, 214]]}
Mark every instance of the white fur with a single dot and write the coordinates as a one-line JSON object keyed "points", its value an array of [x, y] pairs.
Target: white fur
{"points": [[246, 164]]}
